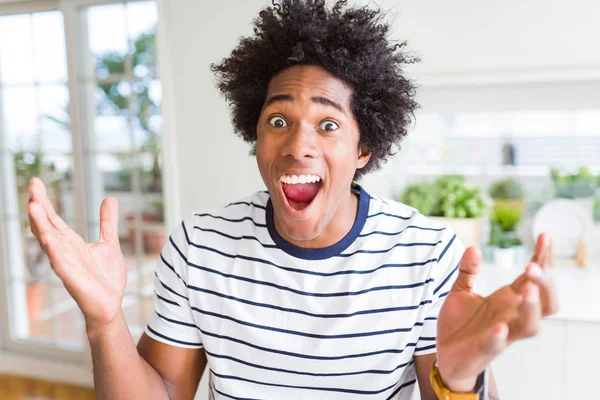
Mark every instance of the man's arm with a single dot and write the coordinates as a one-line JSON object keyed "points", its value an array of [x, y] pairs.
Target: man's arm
{"points": [[423, 366], [152, 371]]}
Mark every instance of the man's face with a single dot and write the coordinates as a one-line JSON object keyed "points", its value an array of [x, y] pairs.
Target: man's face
{"points": [[307, 150]]}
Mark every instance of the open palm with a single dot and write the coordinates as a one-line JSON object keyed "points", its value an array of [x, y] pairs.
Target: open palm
{"points": [[94, 274], [473, 330]]}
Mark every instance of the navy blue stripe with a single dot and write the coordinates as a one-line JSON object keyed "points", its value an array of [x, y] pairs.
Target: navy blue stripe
{"points": [[232, 220], [446, 248], [308, 272], [241, 278], [233, 397], [402, 231], [405, 384], [392, 215], [174, 321], [325, 389], [427, 338], [297, 311], [415, 244], [171, 339], [425, 348], [306, 334], [167, 300], [431, 319], [303, 355], [437, 289], [187, 238], [248, 204], [288, 371], [266, 246], [171, 268], [409, 286], [169, 289], [444, 295], [302, 293], [183, 257]]}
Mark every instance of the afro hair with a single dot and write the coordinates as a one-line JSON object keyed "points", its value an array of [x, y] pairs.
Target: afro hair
{"points": [[349, 43]]}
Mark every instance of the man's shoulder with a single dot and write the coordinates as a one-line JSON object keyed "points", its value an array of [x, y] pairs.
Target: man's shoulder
{"points": [[388, 212], [233, 216]]}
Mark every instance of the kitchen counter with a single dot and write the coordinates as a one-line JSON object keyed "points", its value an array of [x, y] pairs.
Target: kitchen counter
{"points": [[578, 288]]}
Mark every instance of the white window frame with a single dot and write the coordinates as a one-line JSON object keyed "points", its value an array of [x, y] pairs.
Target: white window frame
{"points": [[73, 40]]}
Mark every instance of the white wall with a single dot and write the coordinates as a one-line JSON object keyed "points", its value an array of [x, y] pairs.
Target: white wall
{"points": [[460, 42]]}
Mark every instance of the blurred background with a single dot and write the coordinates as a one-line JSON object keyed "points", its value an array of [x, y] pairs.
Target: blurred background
{"points": [[103, 97]]}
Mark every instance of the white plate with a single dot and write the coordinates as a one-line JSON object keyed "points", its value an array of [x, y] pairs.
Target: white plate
{"points": [[565, 221]]}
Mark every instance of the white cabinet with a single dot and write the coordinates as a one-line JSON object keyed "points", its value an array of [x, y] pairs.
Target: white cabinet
{"points": [[534, 368], [581, 360]]}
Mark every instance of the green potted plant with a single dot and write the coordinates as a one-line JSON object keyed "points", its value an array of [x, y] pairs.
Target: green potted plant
{"points": [[452, 202], [580, 186], [508, 191], [508, 248]]}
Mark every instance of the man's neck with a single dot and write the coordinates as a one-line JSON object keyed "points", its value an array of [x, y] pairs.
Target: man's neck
{"points": [[337, 228]]}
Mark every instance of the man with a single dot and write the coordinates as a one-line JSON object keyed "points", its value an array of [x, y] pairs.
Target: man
{"points": [[315, 288]]}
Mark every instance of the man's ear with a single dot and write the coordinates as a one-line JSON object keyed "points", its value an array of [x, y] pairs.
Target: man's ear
{"points": [[363, 157]]}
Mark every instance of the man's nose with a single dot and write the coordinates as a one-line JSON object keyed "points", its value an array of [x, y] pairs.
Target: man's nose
{"points": [[301, 143]]}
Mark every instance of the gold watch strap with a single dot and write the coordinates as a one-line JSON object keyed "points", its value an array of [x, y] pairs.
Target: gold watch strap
{"points": [[442, 392]]}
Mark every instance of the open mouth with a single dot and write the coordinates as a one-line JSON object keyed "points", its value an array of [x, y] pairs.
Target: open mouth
{"points": [[300, 190]]}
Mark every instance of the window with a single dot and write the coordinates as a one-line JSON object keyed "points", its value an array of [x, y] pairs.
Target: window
{"points": [[85, 117]]}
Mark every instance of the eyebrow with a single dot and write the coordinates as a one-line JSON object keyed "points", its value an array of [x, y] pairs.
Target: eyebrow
{"points": [[316, 99]]}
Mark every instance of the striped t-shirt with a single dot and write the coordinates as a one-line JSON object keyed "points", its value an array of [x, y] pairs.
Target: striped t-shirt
{"points": [[279, 321]]}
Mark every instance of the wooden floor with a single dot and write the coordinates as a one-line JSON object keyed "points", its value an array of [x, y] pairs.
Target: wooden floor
{"points": [[18, 388]]}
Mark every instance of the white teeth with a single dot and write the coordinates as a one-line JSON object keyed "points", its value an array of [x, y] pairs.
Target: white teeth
{"points": [[294, 179]]}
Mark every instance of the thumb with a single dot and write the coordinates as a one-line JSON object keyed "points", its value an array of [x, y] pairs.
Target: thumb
{"points": [[109, 220], [468, 269]]}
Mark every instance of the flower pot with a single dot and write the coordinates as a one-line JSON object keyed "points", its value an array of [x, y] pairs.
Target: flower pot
{"points": [[468, 230], [488, 252], [154, 239], [35, 296], [504, 258], [151, 236]]}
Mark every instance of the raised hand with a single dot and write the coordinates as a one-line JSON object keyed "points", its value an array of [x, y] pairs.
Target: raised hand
{"points": [[473, 330], [94, 274]]}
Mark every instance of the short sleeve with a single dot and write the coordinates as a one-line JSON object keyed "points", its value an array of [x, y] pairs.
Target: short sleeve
{"points": [[172, 321], [444, 275]]}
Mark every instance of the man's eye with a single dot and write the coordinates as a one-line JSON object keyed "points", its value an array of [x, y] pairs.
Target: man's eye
{"points": [[328, 126], [277, 122]]}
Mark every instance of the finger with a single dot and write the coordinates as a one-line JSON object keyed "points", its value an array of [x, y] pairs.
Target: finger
{"points": [[541, 255], [38, 194], [532, 273], [468, 269], [109, 220], [530, 314], [38, 218], [548, 292]]}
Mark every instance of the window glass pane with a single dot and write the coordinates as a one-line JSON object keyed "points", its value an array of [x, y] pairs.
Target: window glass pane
{"points": [[20, 116], [16, 52], [106, 26], [54, 118], [49, 48]]}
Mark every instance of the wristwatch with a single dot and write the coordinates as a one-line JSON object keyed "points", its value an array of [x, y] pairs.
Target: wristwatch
{"points": [[443, 393]]}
